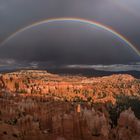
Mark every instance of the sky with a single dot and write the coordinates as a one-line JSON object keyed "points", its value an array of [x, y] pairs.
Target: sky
{"points": [[69, 43]]}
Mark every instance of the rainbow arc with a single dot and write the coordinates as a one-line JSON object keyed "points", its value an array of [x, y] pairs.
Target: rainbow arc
{"points": [[80, 20]]}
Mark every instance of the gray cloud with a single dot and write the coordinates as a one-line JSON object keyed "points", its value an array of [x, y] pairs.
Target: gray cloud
{"points": [[111, 68], [84, 46], [68, 43], [7, 62]]}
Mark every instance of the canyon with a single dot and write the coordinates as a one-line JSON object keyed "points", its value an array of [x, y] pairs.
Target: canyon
{"points": [[37, 105]]}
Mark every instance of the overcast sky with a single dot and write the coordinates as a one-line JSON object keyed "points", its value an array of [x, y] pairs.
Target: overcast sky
{"points": [[68, 43]]}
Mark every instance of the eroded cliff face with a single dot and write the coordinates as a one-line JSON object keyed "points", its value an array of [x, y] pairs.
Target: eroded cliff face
{"points": [[32, 118], [128, 126], [97, 123], [101, 89], [36, 105]]}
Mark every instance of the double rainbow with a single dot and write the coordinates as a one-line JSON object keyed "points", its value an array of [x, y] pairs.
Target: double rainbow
{"points": [[80, 20]]}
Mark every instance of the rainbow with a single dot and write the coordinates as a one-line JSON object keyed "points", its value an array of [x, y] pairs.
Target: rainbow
{"points": [[80, 20]]}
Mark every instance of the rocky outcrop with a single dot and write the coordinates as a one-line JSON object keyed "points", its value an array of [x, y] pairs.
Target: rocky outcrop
{"points": [[38, 105], [128, 126], [71, 88], [97, 123]]}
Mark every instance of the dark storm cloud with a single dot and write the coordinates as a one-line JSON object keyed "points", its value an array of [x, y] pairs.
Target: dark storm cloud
{"points": [[15, 14], [63, 43]]}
